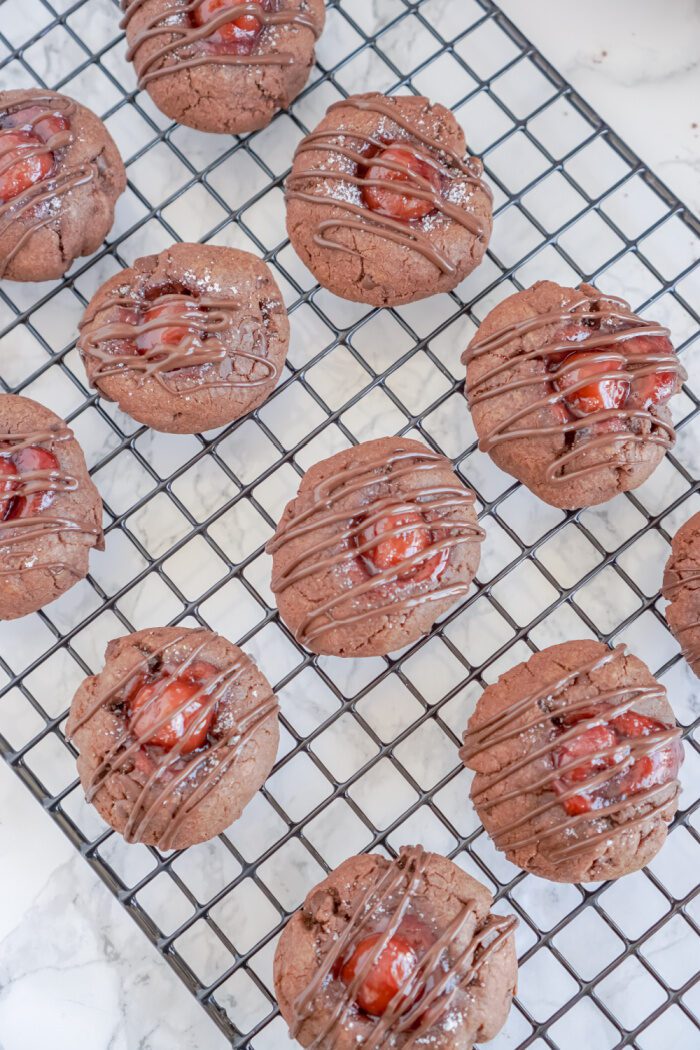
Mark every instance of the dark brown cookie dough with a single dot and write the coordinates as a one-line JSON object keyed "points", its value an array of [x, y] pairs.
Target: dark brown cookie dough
{"points": [[176, 734], [187, 340], [380, 540], [222, 65], [568, 390], [60, 176], [50, 511], [576, 755], [681, 588], [417, 927], [382, 204]]}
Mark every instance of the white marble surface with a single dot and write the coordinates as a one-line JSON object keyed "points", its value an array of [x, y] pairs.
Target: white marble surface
{"points": [[74, 970], [637, 62]]}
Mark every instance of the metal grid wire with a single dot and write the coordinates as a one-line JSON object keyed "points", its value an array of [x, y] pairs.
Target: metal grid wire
{"points": [[369, 749]]}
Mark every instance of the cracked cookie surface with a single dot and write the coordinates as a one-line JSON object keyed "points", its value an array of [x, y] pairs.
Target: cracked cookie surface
{"points": [[383, 204], [222, 65], [187, 340], [568, 390], [60, 176], [380, 541], [396, 953], [175, 734], [576, 756], [50, 510]]}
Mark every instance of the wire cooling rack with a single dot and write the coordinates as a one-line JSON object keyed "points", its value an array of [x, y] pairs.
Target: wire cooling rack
{"points": [[369, 749]]}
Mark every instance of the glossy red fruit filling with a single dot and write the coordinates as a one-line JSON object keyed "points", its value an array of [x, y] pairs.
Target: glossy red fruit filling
{"points": [[658, 387], [30, 467], [614, 736], [573, 334], [395, 203], [151, 702], [237, 36], [171, 323], [582, 398], [386, 977], [605, 393], [392, 550], [35, 119], [20, 165], [23, 159]]}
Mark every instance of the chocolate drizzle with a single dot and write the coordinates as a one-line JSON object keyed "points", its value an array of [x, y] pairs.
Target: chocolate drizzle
{"points": [[33, 528], [432, 990], [606, 346], [212, 341], [349, 523], [32, 208], [186, 46], [177, 783], [452, 168], [540, 709]]}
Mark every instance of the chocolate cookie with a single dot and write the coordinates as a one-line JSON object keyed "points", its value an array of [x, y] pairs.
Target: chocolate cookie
{"points": [[682, 589], [393, 954], [60, 175], [568, 390], [380, 541], [176, 734], [576, 755], [50, 511], [187, 340], [222, 65], [383, 206]]}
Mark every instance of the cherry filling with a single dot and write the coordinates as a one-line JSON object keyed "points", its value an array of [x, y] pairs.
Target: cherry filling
{"points": [[656, 388], [168, 325], [614, 737], [413, 537], [583, 398], [28, 461], [24, 161], [238, 35], [585, 382], [387, 976], [151, 701], [404, 206]]}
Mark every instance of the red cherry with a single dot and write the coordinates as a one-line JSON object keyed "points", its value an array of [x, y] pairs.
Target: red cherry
{"points": [[591, 741], [390, 552], [394, 203], [144, 715], [26, 169], [163, 335], [658, 387], [386, 977], [30, 461], [238, 35], [597, 395], [8, 484], [575, 805], [657, 768], [631, 723], [35, 119]]}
